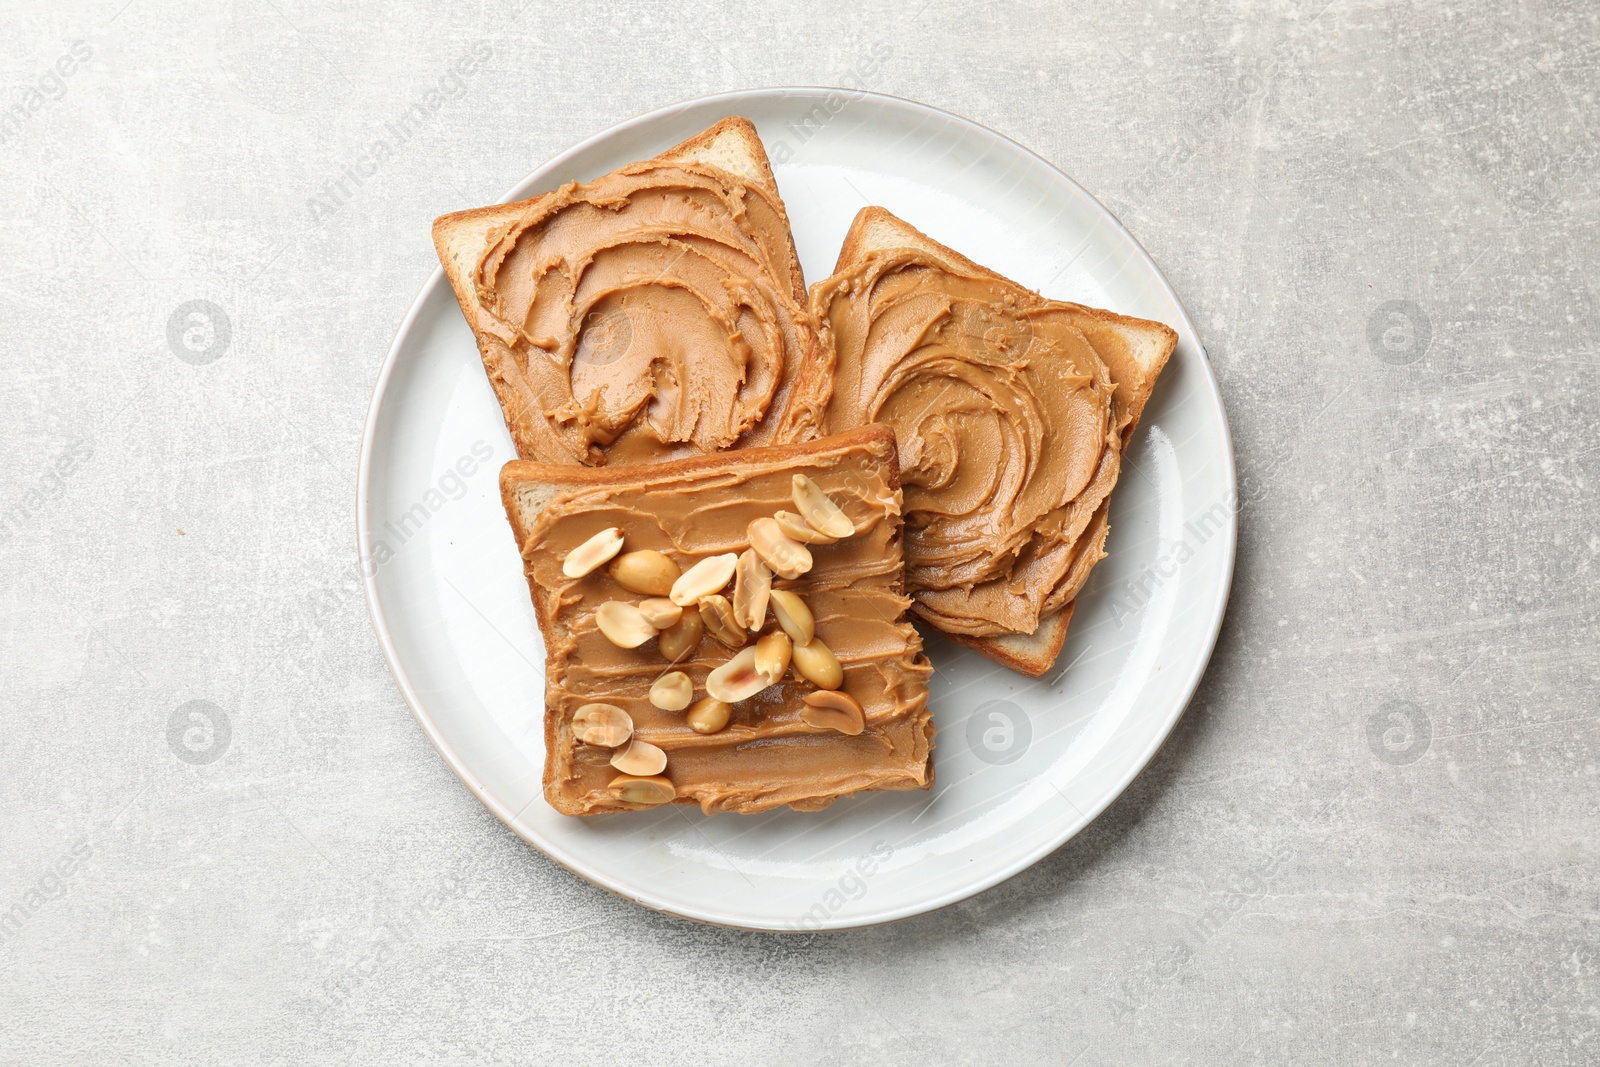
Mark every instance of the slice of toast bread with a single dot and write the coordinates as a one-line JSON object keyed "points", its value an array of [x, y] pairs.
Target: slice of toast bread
{"points": [[534, 412], [1134, 352], [766, 757]]}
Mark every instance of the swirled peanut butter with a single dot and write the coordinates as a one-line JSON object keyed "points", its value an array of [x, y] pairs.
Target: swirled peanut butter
{"points": [[1007, 427], [768, 754], [649, 314]]}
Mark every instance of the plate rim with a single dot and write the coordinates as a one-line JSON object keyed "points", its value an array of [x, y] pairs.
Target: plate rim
{"points": [[708, 915]]}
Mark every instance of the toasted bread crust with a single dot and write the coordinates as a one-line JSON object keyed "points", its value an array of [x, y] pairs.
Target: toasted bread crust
{"points": [[1031, 654]]}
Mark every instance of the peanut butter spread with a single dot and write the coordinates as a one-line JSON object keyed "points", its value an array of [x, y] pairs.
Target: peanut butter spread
{"points": [[653, 311], [767, 755], [1008, 432]]}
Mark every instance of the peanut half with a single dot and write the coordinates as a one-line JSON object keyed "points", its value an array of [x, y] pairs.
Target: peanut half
{"points": [[704, 578], [640, 758], [592, 553], [681, 638], [819, 510], [708, 716], [623, 624], [672, 691], [801, 530], [646, 571], [717, 614], [738, 679], [772, 655], [782, 553], [834, 710], [648, 791], [816, 663], [752, 584], [793, 615], [660, 612], [601, 724]]}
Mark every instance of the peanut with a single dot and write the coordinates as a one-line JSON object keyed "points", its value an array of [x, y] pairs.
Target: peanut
{"points": [[660, 612], [709, 715], [772, 655], [672, 691], [647, 571], [834, 710], [647, 791], [752, 584], [640, 759], [819, 510], [801, 530], [717, 614], [592, 553], [738, 679], [704, 578], [777, 549], [793, 615], [623, 624], [816, 663], [679, 640], [601, 724]]}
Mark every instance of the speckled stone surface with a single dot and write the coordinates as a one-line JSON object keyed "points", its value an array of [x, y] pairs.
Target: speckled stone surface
{"points": [[1372, 838]]}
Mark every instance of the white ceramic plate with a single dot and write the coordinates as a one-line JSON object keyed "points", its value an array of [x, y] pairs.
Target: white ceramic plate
{"points": [[1021, 765]]}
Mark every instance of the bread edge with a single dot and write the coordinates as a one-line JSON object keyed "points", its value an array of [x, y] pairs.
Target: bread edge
{"points": [[1014, 651]]}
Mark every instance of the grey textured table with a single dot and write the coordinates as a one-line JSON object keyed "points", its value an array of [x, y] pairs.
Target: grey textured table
{"points": [[1371, 839]]}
